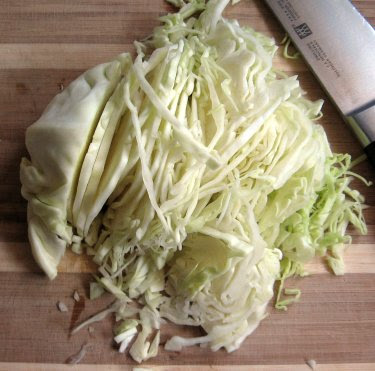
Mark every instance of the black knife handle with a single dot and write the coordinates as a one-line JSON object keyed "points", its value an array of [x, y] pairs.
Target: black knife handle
{"points": [[370, 152], [363, 125]]}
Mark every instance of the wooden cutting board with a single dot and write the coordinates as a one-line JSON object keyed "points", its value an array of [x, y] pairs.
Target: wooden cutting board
{"points": [[45, 44]]}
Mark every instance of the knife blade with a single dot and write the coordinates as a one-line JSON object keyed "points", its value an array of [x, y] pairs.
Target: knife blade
{"points": [[338, 44]]}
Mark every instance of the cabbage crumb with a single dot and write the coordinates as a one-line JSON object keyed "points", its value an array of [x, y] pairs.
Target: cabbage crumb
{"points": [[311, 363], [77, 358], [61, 306], [76, 296]]}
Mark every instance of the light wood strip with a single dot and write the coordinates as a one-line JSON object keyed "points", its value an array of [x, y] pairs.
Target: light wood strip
{"points": [[81, 56], [17, 257], [359, 258], [58, 56], [6, 366]]}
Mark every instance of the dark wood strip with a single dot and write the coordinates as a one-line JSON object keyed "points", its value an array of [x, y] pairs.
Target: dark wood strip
{"points": [[333, 323], [13, 231], [120, 22], [87, 22]]}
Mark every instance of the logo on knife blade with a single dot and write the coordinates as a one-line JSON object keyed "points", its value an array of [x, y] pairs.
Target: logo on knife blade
{"points": [[303, 30]]}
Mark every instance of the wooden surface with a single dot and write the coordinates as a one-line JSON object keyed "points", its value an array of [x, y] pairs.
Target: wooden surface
{"points": [[46, 43]]}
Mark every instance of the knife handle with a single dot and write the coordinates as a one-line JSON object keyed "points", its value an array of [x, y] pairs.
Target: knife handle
{"points": [[366, 121], [363, 124], [370, 153]]}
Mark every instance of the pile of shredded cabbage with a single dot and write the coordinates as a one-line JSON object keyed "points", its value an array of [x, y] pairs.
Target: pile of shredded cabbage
{"points": [[194, 176]]}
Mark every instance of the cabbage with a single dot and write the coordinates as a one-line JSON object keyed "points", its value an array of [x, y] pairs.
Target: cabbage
{"points": [[205, 180], [95, 158], [57, 143]]}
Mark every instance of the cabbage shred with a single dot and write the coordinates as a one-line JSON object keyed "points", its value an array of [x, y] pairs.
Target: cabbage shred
{"points": [[207, 181]]}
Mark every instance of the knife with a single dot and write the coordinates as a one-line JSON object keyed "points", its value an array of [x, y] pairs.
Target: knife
{"points": [[338, 44]]}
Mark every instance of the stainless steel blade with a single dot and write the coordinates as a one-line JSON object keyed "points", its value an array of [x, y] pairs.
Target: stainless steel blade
{"points": [[339, 45]]}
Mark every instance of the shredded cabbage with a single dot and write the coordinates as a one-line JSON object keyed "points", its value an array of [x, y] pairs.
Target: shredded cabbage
{"points": [[197, 181]]}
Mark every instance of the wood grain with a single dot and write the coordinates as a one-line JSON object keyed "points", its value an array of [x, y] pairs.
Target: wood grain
{"points": [[46, 43], [17, 257], [333, 323], [81, 57], [303, 367]]}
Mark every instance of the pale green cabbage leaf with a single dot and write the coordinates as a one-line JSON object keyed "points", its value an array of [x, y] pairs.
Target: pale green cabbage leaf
{"points": [[57, 143]]}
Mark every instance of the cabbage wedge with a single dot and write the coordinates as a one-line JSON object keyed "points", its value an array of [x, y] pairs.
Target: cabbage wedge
{"points": [[57, 144]]}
